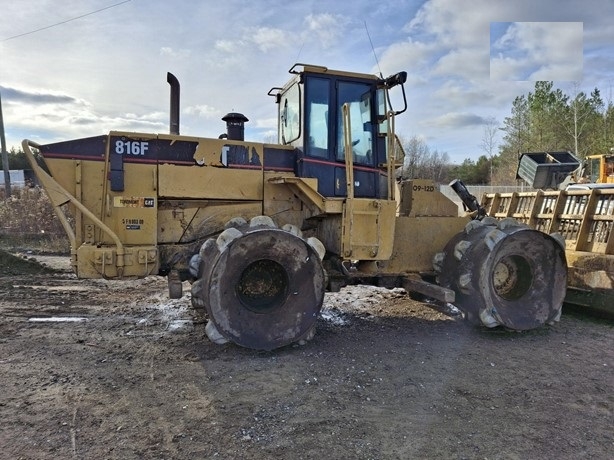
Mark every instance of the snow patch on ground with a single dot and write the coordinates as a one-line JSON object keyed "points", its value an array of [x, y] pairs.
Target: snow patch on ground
{"points": [[58, 319], [355, 300], [170, 315]]}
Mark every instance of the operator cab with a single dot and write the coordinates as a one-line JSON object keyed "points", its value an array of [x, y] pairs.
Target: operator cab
{"points": [[311, 119], [600, 168]]}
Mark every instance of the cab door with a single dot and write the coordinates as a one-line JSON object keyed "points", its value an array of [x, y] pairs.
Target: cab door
{"points": [[323, 156]]}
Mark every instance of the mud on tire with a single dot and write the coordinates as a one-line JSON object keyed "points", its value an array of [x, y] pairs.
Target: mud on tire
{"points": [[504, 273], [261, 286]]}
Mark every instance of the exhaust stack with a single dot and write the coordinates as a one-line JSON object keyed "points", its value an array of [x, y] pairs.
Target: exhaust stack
{"points": [[174, 110]]}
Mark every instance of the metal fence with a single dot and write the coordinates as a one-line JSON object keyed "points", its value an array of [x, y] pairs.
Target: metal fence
{"points": [[479, 190]]}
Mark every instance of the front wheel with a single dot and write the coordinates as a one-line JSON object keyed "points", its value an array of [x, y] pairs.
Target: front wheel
{"points": [[504, 273]]}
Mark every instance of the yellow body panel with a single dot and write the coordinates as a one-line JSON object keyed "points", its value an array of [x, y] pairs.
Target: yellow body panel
{"points": [[65, 172], [208, 182], [102, 262], [421, 197], [281, 203], [417, 239], [368, 229], [132, 213]]}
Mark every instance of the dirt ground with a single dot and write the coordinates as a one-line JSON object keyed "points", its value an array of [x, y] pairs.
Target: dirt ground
{"points": [[115, 370]]}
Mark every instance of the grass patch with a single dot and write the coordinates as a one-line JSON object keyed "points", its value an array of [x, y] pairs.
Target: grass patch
{"points": [[29, 223]]}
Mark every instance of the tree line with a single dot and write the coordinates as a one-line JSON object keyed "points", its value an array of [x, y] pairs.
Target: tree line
{"points": [[423, 163], [17, 159]]}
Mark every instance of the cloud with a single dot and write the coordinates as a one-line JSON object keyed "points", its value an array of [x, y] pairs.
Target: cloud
{"points": [[66, 117], [408, 54], [456, 37], [226, 46], [203, 111], [454, 26], [508, 69], [558, 72], [17, 95], [461, 95], [539, 50], [263, 39], [326, 27], [266, 38], [469, 64], [173, 53], [267, 124], [457, 120]]}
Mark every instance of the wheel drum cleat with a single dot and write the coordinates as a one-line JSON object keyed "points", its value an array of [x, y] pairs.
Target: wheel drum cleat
{"points": [[504, 273]]}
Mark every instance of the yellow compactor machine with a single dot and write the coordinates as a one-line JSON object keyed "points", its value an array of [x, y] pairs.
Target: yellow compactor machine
{"points": [[263, 230]]}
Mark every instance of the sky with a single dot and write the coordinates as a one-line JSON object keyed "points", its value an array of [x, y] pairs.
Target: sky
{"points": [[79, 68]]}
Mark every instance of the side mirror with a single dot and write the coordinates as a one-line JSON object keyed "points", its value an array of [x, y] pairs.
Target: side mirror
{"points": [[396, 79]]}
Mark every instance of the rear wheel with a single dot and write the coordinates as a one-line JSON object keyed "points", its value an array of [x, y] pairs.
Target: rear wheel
{"points": [[261, 286], [504, 273]]}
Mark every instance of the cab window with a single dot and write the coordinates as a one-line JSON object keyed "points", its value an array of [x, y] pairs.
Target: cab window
{"points": [[358, 98], [594, 164], [289, 115], [317, 112]]}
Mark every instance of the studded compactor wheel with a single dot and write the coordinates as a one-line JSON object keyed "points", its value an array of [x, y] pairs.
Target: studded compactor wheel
{"points": [[262, 286], [505, 274]]}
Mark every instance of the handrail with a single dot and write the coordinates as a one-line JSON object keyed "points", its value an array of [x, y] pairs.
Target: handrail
{"points": [[347, 148], [391, 148], [59, 196]]}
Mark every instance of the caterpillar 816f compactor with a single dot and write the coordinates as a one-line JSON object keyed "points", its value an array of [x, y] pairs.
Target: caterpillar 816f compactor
{"points": [[262, 230]]}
